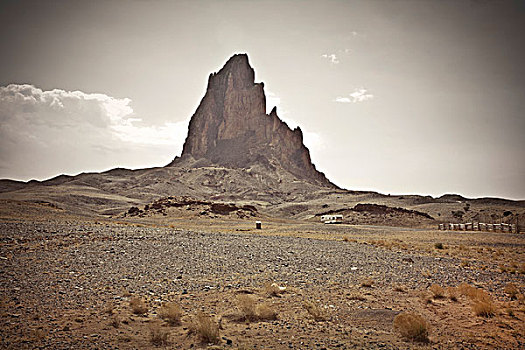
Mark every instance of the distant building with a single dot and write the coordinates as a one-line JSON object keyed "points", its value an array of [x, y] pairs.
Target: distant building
{"points": [[332, 219]]}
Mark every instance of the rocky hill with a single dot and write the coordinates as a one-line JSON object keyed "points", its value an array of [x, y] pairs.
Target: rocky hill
{"points": [[231, 128]]}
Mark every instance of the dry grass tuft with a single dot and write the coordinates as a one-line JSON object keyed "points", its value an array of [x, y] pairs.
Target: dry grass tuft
{"points": [[138, 306], [482, 303], [247, 307], [250, 311], [157, 335], [317, 312], [412, 327], [265, 312], [273, 289], [438, 292], [205, 327], [484, 308], [512, 291], [452, 293], [171, 313]]}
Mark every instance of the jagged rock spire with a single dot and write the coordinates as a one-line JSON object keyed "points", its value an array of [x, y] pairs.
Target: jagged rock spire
{"points": [[231, 128]]}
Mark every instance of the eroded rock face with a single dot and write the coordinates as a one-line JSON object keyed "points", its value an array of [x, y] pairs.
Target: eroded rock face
{"points": [[231, 127]]}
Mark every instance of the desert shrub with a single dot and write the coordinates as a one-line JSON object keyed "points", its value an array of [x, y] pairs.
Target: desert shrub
{"points": [[367, 283], [247, 307], [437, 291], [171, 313], [273, 289], [452, 293], [205, 327], [482, 303], [317, 312], [251, 311], [438, 245], [484, 308], [511, 290], [412, 327], [138, 306], [158, 336], [265, 312]]}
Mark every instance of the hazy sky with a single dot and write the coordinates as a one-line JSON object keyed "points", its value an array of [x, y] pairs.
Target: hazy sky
{"points": [[424, 97]]}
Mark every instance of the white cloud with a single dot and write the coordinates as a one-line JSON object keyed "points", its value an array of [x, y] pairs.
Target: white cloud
{"points": [[343, 99], [331, 57], [359, 95], [44, 133]]}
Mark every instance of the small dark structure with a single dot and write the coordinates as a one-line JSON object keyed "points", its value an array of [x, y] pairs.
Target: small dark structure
{"points": [[258, 225]]}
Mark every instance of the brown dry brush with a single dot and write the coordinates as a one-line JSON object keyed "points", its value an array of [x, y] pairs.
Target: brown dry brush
{"points": [[437, 291], [482, 303], [205, 327], [511, 290], [171, 313], [316, 311], [412, 327], [158, 336], [273, 289], [138, 306], [251, 311], [452, 293]]}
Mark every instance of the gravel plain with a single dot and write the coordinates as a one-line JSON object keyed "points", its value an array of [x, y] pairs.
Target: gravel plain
{"points": [[52, 268]]}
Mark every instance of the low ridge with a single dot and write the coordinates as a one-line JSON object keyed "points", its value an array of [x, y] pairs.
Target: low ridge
{"points": [[231, 128]]}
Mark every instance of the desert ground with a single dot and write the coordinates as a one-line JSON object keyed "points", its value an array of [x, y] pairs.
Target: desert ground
{"points": [[197, 281]]}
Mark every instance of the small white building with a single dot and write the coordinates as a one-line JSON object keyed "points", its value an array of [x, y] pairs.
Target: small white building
{"points": [[332, 219]]}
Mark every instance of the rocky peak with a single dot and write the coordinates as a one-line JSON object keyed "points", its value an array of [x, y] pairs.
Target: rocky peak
{"points": [[231, 128]]}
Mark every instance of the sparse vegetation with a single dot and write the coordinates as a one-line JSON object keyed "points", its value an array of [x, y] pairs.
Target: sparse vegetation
{"points": [[511, 290], [205, 327], [247, 307], [438, 292], [273, 289], [316, 311], [265, 312], [171, 312], [482, 303], [412, 327], [452, 293], [138, 306], [484, 308], [158, 336], [251, 311], [438, 245]]}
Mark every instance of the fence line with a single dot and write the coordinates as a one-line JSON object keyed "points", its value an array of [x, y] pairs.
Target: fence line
{"points": [[479, 226]]}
